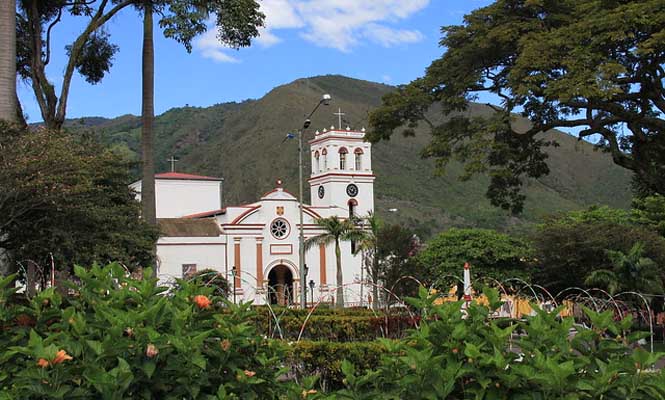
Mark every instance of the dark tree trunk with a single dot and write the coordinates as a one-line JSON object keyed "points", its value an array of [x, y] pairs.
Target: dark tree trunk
{"points": [[148, 203]]}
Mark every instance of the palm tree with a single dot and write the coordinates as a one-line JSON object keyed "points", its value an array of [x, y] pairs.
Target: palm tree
{"points": [[336, 230], [629, 272], [147, 117], [8, 105], [369, 245]]}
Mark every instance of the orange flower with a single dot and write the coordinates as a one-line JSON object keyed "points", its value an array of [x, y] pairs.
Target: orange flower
{"points": [[249, 374], [306, 393], [61, 356], [202, 301], [151, 350], [42, 363], [226, 344]]}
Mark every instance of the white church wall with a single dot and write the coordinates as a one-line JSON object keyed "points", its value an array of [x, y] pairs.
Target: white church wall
{"points": [[176, 197], [204, 252]]}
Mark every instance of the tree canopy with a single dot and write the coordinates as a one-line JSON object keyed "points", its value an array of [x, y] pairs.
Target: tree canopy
{"points": [[91, 53], [65, 199], [570, 247], [490, 253], [593, 66]]}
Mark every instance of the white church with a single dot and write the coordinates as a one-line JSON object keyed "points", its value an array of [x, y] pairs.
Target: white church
{"points": [[256, 246]]}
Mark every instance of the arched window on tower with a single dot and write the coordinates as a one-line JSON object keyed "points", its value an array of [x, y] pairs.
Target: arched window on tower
{"points": [[359, 158], [317, 166], [324, 153], [353, 203], [342, 158]]}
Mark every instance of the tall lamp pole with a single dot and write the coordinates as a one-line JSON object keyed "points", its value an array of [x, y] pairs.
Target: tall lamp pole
{"points": [[325, 100]]}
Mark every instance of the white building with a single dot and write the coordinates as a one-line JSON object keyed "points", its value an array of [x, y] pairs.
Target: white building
{"points": [[259, 241]]}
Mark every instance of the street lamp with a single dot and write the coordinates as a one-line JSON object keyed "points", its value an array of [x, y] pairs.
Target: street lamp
{"points": [[311, 290], [305, 280], [233, 275], [325, 100]]}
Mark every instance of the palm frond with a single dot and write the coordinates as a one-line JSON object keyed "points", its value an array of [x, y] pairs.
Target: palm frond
{"points": [[324, 238], [603, 278]]}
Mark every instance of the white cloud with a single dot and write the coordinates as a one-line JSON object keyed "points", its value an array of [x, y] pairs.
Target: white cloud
{"points": [[389, 37], [210, 48], [338, 24], [342, 24]]}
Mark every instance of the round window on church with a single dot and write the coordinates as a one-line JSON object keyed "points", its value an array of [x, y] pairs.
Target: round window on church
{"points": [[279, 228]]}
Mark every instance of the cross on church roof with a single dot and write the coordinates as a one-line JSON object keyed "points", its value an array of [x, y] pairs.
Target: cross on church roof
{"points": [[173, 160], [339, 114]]}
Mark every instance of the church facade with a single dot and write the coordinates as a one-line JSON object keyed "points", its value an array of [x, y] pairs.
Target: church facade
{"points": [[256, 245]]}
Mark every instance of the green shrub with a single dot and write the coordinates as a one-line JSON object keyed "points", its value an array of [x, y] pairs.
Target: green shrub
{"points": [[129, 338], [454, 356], [345, 326], [324, 360]]}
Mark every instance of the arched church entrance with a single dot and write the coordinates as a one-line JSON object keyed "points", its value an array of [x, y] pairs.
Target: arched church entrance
{"points": [[280, 282]]}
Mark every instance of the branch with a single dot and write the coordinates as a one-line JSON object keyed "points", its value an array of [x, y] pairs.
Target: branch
{"points": [[620, 158], [48, 37], [96, 21]]}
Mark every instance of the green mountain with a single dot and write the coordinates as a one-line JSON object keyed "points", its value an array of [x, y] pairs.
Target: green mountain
{"points": [[243, 142]]}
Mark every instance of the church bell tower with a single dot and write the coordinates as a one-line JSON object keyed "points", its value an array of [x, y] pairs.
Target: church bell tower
{"points": [[342, 174]]}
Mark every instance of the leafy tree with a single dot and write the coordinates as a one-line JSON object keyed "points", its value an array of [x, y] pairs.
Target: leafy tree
{"points": [[336, 230], [592, 65], [369, 246], [91, 53], [569, 249], [65, 199], [397, 251], [629, 272], [650, 211], [490, 253]]}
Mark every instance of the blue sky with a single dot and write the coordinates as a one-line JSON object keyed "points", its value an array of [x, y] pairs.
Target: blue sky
{"points": [[390, 41]]}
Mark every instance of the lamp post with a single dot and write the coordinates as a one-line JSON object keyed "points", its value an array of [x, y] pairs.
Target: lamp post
{"points": [[325, 100], [311, 290], [305, 280], [233, 275]]}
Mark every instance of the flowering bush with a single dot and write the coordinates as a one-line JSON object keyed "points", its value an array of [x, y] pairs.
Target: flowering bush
{"points": [[453, 356], [115, 337]]}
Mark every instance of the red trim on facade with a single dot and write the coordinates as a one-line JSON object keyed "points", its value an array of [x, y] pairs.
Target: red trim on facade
{"points": [[352, 202], [321, 139], [191, 244], [236, 262], [244, 214], [343, 150], [358, 150], [186, 177], [207, 213], [311, 213], [341, 174], [324, 152], [259, 264]]}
